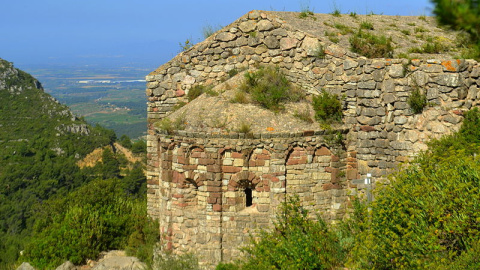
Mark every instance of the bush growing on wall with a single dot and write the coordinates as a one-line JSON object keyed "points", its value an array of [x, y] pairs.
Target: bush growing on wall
{"points": [[328, 107], [269, 87]]}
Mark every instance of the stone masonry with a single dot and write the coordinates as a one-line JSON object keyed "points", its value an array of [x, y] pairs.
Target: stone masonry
{"points": [[209, 191]]}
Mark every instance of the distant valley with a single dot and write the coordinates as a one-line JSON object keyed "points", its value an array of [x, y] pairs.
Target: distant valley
{"points": [[113, 97]]}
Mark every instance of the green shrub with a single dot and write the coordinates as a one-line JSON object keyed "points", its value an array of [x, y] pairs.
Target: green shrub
{"points": [[245, 128], [269, 87], [366, 25], [187, 45], [320, 52], [419, 29], [169, 261], [344, 29], [295, 242], [306, 13], [232, 72], [327, 107], [170, 126], [195, 92], [209, 30], [370, 45], [98, 216], [417, 100], [425, 217], [239, 97]]}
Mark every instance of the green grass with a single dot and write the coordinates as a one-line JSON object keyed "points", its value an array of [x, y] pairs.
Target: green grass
{"points": [[371, 46], [366, 25]]}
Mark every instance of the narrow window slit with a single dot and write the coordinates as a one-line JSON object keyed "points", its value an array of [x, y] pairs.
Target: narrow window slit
{"points": [[248, 197]]}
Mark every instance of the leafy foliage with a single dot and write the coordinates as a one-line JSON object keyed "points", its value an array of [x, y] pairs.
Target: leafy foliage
{"points": [[417, 100], [269, 87], [327, 107], [461, 15], [427, 217], [169, 261], [96, 217], [370, 45]]}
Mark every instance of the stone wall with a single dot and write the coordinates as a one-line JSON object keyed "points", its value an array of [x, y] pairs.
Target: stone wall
{"points": [[214, 191], [382, 130]]}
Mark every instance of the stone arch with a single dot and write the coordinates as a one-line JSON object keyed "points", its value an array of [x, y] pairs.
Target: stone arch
{"points": [[244, 187]]}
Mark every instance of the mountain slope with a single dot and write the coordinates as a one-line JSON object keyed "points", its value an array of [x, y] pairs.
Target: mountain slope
{"points": [[40, 143]]}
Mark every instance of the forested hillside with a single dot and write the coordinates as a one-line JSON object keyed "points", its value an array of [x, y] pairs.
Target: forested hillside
{"points": [[41, 142]]}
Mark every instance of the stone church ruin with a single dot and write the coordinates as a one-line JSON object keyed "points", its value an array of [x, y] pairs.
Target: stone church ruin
{"points": [[210, 184]]}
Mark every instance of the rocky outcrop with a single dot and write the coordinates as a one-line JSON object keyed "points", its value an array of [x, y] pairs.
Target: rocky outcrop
{"points": [[25, 266]]}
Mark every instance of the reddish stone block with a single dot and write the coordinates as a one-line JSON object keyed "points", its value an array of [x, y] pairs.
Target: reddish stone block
{"points": [[334, 176], [308, 133], [167, 176], [206, 161], [367, 128], [214, 168], [231, 169], [237, 155], [189, 167], [263, 157], [153, 182], [352, 174], [215, 195], [211, 200], [329, 186], [214, 189], [458, 112], [177, 196], [181, 160], [217, 208], [275, 179], [178, 177], [251, 163], [292, 161], [335, 158], [260, 163]]}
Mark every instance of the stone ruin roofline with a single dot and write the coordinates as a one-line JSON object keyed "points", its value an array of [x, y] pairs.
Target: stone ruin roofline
{"points": [[209, 39], [283, 24]]}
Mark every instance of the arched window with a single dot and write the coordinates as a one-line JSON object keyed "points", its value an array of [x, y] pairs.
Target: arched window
{"points": [[248, 197]]}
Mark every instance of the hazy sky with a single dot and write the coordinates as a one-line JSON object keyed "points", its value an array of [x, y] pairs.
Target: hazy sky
{"points": [[145, 32]]}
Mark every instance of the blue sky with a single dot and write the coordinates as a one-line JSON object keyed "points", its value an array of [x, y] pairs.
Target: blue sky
{"points": [[144, 32]]}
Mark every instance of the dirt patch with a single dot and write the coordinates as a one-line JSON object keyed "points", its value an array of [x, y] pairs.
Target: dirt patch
{"points": [[96, 156]]}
